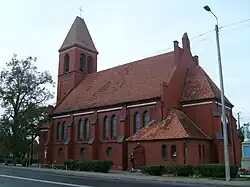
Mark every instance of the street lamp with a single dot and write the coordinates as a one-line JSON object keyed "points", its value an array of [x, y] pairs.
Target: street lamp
{"points": [[225, 134]]}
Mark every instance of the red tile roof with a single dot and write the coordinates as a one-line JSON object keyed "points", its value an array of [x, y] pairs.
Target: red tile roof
{"points": [[79, 34], [176, 126], [134, 81], [200, 86]]}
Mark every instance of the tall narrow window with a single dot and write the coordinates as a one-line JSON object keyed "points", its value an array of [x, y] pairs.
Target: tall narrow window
{"points": [[66, 63], [90, 64], [173, 152], [113, 127], [164, 152], [137, 122], [199, 147], [80, 129], [145, 118], [203, 151], [64, 131], [82, 61], [86, 129], [106, 128], [184, 152], [58, 127]]}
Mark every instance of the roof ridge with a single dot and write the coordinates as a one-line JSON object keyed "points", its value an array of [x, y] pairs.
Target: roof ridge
{"points": [[195, 124], [130, 63], [175, 113], [127, 79]]}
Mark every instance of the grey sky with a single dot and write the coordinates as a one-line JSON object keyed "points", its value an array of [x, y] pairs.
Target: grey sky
{"points": [[128, 30]]}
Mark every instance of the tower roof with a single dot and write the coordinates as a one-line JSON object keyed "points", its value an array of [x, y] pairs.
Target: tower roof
{"points": [[79, 35]]}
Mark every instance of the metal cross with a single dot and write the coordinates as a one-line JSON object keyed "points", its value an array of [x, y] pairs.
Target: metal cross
{"points": [[80, 11]]}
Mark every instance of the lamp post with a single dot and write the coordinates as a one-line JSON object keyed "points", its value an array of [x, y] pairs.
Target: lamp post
{"points": [[225, 129]]}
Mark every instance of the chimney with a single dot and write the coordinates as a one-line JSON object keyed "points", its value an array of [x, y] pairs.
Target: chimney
{"points": [[176, 44], [196, 60], [185, 42]]}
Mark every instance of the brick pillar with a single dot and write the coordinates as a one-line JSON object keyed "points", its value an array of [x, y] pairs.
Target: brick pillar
{"points": [[70, 139], [50, 144], [122, 135], [94, 138]]}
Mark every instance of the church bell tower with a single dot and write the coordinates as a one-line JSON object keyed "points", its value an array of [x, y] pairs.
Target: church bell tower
{"points": [[77, 58]]}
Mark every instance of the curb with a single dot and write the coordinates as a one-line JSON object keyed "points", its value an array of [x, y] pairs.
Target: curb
{"points": [[135, 178]]}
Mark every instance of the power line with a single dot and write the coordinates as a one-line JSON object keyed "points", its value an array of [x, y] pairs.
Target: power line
{"points": [[235, 23], [210, 31], [224, 26]]}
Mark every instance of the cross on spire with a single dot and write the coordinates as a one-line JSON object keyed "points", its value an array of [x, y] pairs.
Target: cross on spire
{"points": [[80, 9]]}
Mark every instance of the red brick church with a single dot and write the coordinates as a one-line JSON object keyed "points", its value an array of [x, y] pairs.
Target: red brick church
{"points": [[164, 108]]}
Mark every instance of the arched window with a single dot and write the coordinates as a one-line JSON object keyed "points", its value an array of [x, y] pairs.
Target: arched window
{"points": [[82, 61], [106, 128], [113, 127], [86, 129], [137, 122], [145, 118], [64, 131], [173, 151], [58, 129], [80, 129], [164, 152], [66, 63], [90, 64]]}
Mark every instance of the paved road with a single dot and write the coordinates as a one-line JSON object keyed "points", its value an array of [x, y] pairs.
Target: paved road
{"points": [[11, 177]]}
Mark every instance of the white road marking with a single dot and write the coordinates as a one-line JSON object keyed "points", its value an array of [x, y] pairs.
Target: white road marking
{"points": [[43, 181]]}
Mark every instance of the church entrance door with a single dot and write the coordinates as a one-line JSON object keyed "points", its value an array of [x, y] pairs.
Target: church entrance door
{"points": [[139, 156]]}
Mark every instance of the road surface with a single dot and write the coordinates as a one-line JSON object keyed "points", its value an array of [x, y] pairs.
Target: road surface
{"points": [[15, 177]]}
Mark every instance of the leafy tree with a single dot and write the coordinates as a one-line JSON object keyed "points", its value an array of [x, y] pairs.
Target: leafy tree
{"points": [[240, 132], [23, 95]]}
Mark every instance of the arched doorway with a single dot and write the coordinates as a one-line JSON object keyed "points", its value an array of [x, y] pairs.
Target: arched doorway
{"points": [[139, 152]]}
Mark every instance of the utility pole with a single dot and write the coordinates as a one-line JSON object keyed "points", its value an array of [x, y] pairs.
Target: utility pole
{"points": [[238, 114], [225, 129]]}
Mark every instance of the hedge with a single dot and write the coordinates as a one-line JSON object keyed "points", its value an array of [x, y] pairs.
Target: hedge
{"points": [[89, 165], [207, 170]]}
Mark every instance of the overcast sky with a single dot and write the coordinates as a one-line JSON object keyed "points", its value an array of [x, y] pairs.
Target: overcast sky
{"points": [[125, 31]]}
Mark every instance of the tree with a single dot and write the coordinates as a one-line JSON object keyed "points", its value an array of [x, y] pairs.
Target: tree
{"points": [[23, 95], [240, 132]]}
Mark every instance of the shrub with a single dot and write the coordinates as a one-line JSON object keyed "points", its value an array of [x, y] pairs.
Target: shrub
{"points": [[16, 160], [207, 170], [180, 170], [46, 166], [89, 165], [71, 164], [153, 170], [60, 166], [25, 162], [214, 170], [85, 165], [102, 166]]}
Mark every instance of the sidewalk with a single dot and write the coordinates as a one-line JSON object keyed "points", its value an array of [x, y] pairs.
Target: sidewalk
{"points": [[127, 176]]}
